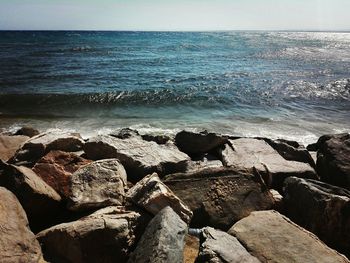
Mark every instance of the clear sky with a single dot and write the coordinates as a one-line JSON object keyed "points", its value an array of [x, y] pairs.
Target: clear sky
{"points": [[175, 15]]}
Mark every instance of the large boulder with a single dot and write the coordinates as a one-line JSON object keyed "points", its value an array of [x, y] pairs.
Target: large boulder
{"points": [[139, 157], [163, 239], [248, 153], [98, 184], [17, 242], [40, 201], [219, 247], [153, 195], [220, 197], [56, 168], [106, 236], [320, 208], [271, 237], [9, 145], [333, 159]]}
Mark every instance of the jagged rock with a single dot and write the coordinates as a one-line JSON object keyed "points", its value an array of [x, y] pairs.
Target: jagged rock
{"points": [[17, 242], [9, 145], [219, 247], [219, 197], [320, 208], [56, 168], [27, 131], [39, 145], [139, 157], [104, 236], [98, 184], [163, 239], [39, 200], [333, 159], [153, 195], [191, 249], [198, 143], [271, 237], [246, 153]]}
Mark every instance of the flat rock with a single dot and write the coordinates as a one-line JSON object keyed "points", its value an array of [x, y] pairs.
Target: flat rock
{"points": [[153, 195], [163, 239], [333, 159], [271, 237], [9, 145], [56, 168], [320, 208], [248, 153], [219, 247], [98, 184], [139, 157], [104, 236], [17, 242], [220, 197]]}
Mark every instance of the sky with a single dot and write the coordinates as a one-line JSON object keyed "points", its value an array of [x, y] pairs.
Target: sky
{"points": [[179, 15]]}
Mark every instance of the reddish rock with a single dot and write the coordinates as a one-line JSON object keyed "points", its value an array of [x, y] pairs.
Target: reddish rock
{"points": [[9, 145]]}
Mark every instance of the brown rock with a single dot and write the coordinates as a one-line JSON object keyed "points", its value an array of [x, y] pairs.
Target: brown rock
{"points": [[191, 249], [9, 145], [27, 131]]}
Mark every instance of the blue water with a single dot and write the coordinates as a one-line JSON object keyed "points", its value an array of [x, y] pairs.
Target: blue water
{"points": [[294, 85]]}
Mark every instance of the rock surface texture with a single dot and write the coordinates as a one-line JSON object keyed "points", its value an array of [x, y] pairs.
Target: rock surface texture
{"points": [[9, 145], [271, 237]]}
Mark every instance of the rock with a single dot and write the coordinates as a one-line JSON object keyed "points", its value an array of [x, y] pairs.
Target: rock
{"points": [[219, 247], [125, 133], [314, 156], [9, 145], [198, 143], [219, 197], [163, 239], [320, 208], [153, 195], [333, 160], [39, 200], [206, 161], [246, 153], [271, 237], [56, 168], [277, 199], [160, 139], [39, 145], [98, 184], [104, 236], [27, 131], [17, 242], [191, 249], [138, 157]]}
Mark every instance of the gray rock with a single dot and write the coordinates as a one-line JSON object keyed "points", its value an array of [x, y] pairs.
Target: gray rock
{"points": [[98, 184], [271, 237], [138, 157], [219, 247], [320, 208], [162, 241], [17, 242], [153, 195], [9, 145]]}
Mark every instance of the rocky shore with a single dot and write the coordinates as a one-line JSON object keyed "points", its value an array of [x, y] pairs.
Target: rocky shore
{"points": [[193, 197]]}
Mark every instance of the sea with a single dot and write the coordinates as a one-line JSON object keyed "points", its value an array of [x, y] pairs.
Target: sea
{"points": [[291, 85]]}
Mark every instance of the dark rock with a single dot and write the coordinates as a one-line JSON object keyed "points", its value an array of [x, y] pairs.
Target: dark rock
{"points": [[220, 197], [17, 242], [9, 145], [271, 237], [320, 208], [160, 139], [333, 159], [163, 239], [27, 131], [125, 133]]}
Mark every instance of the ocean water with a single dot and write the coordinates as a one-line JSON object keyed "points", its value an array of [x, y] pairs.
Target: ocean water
{"points": [[293, 85]]}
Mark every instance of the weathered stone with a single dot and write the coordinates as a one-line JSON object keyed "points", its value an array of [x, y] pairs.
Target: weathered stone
{"points": [[98, 184], [246, 153], [17, 242], [219, 247], [206, 161], [39, 200], [104, 236], [56, 168], [198, 143], [320, 208], [220, 197], [163, 239], [271, 237], [191, 249], [9, 145], [333, 159], [153, 195], [27, 131], [139, 157]]}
